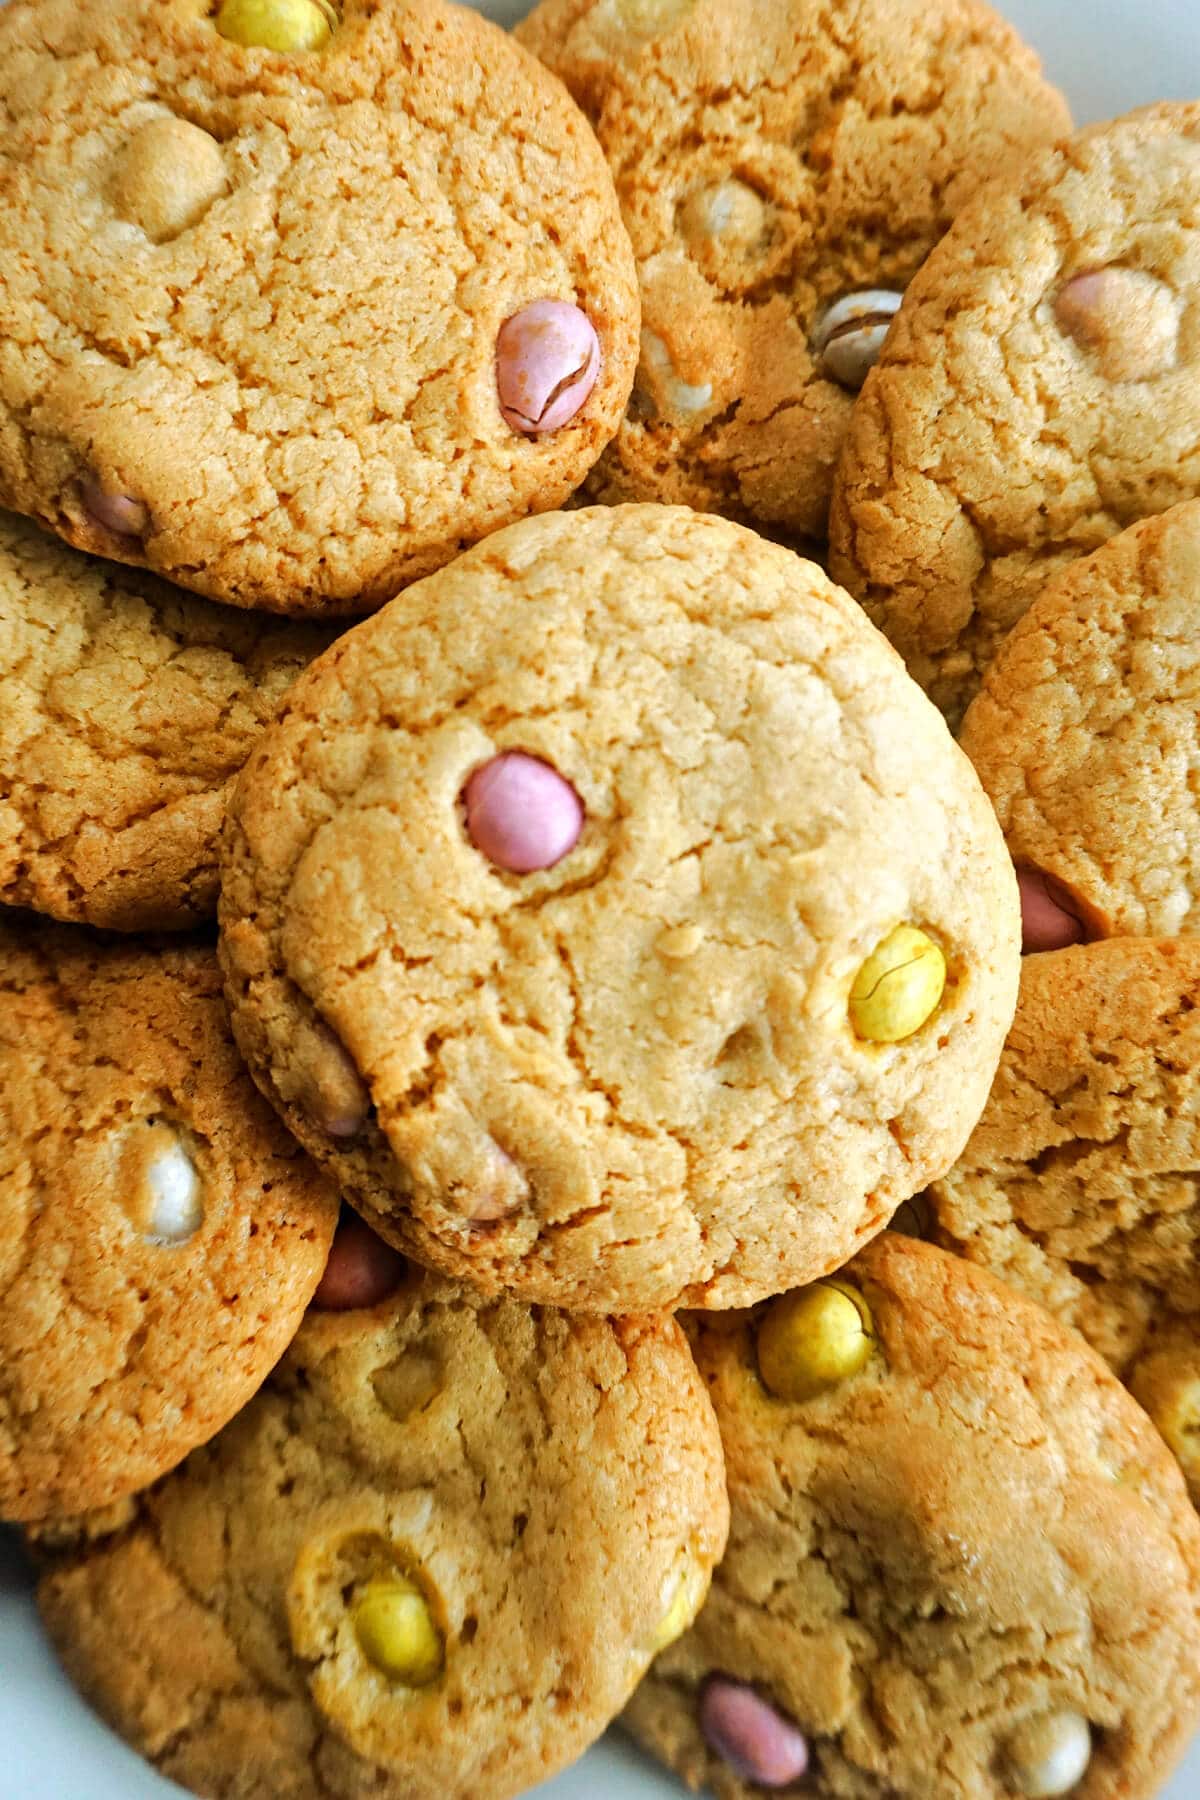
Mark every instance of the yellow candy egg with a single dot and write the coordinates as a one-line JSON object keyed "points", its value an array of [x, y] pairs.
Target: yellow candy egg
{"points": [[686, 1601], [397, 1631], [277, 24], [813, 1339], [899, 986]]}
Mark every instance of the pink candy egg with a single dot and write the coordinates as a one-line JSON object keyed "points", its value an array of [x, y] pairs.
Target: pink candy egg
{"points": [[547, 361], [1047, 923], [746, 1732], [362, 1270], [121, 514], [521, 813]]}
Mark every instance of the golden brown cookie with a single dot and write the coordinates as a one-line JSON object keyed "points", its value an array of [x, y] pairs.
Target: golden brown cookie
{"points": [[616, 921], [960, 1560], [258, 304], [160, 1234], [1036, 395], [129, 706], [1081, 1183], [430, 1560], [1084, 733], [784, 168]]}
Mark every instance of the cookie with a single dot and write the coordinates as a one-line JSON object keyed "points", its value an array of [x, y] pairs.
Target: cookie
{"points": [[430, 1560], [160, 1233], [1081, 1183], [1084, 736], [614, 919], [960, 1560], [291, 325], [784, 168], [1036, 396], [129, 707]]}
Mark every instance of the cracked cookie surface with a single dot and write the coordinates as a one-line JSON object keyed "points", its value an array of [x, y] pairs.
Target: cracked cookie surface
{"points": [[977, 1533], [632, 1076], [1081, 1182], [772, 157], [1084, 732], [1036, 396], [129, 706], [250, 300], [550, 1485], [160, 1234]]}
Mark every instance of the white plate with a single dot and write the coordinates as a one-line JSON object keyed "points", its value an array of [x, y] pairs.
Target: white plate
{"points": [[1109, 55]]}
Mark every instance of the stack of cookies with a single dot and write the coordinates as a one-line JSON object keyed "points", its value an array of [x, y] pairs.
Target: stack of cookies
{"points": [[402, 1022]]}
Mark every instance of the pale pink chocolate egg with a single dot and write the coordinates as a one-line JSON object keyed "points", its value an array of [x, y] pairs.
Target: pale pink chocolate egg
{"points": [[362, 1270], [122, 514], [499, 1193], [521, 813], [1127, 320], [746, 1732], [1047, 921], [547, 361]]}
